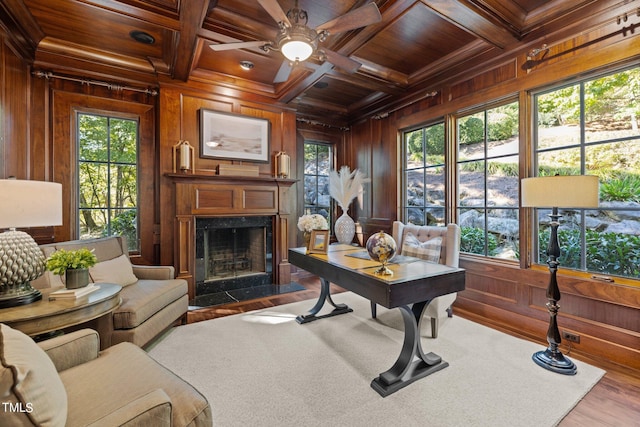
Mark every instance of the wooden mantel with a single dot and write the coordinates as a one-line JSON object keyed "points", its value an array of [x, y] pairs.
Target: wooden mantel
{"points": [[202, 195]]}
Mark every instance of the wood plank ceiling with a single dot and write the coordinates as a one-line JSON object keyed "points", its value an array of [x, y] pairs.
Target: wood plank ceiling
{"points": [[416, 43]]}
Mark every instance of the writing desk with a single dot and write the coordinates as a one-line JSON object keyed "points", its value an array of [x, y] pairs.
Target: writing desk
{"points": [[412, 286]]}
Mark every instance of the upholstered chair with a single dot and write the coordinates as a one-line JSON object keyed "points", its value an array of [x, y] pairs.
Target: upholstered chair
{"points": [[434, 244]]}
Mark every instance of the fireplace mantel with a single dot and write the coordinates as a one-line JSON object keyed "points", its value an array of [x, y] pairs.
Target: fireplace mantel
{"points": [[215, 195]]}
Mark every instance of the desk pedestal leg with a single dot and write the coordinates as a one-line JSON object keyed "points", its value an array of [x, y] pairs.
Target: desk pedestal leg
{"points": [[325, 295], [413, 363]]}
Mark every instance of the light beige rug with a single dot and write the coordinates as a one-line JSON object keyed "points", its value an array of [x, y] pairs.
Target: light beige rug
{"points": [[264, 369]]}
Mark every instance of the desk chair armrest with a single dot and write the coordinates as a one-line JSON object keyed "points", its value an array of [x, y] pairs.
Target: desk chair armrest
{"points": [[75, 348]]}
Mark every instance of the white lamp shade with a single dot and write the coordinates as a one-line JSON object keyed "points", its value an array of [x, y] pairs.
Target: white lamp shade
{"points": [[296, 50], [560, 191], [30, 203]]}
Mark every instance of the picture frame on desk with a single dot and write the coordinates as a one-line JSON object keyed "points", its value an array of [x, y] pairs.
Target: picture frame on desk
{"points": [[233, 136], [319, 242]]}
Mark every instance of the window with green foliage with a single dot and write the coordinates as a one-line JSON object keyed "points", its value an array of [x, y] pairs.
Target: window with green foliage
{"points": [[488, 182], [107, 177], [591, 128], [424, 176], [318, 161]]}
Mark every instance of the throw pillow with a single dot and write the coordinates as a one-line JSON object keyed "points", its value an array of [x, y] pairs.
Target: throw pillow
{"points": [[117, 271], [30, 388], [429, 250]]}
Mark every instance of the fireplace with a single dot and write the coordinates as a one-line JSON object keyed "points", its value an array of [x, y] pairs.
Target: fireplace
{"points": [[233, 256]]}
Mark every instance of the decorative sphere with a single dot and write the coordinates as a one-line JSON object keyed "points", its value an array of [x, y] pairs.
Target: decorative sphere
{"points": [[381, 247]]}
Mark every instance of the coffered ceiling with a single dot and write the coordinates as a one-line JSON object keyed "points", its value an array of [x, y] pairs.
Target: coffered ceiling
{"points": [[416, 44]]}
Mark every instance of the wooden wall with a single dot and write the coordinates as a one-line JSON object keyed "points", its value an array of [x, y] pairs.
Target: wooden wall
{"points": [[507, 294], [179, 120]]}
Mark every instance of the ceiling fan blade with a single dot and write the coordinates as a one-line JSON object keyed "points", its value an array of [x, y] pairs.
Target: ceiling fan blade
{"points": [[283, 72], [273, 8], [238, 45], [360, 17], [341, 61]]}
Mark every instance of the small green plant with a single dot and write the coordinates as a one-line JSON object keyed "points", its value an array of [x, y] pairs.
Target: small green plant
{"points": [[625, 187], [62, 260], [473, 241]]}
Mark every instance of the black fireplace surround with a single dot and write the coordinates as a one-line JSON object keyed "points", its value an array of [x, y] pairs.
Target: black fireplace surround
{"points": [[234, 256]]}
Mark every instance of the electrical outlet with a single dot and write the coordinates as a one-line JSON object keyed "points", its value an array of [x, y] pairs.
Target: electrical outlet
{"points": [[571, 337]]}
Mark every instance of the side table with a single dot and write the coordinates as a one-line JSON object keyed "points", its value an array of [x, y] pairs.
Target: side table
{"points": [[47, 316]]}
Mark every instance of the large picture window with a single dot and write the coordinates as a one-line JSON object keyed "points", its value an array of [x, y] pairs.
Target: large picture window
{"points": [[591, 128], [424, 175], [488, 182], [107, 177]]}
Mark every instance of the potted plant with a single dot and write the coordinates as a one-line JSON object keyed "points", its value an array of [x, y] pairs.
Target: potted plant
{"points": [[73, 264]]}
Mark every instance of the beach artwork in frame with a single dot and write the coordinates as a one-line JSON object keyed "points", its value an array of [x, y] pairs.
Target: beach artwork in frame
{"points": [[233, 136], [319, 242]]}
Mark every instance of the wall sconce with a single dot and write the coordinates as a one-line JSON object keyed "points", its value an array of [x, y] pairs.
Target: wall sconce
{"points": [[283, 165], [183, 157]]}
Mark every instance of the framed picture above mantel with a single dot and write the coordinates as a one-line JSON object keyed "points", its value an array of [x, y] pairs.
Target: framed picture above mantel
{"points": [[233, 137]]}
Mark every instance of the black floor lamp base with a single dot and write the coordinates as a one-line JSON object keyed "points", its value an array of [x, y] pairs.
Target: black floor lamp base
{"points": [[555, 362]]}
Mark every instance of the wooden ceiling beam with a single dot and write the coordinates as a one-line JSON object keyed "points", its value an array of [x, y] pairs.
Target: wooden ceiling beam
{"points": [[461, 14], [192, 16]]}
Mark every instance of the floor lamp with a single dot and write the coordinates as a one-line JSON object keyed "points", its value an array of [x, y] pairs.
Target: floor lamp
{"points": [[24, 204], [579, 191]]}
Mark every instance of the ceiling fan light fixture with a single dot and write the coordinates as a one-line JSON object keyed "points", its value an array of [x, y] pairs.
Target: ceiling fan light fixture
{"points": [[296, 50]]}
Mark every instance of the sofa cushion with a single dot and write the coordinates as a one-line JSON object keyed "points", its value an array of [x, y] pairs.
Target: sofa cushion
{"points": [[117, 270], [30, 388], [429, 250], [105, 248], [145, 299], [122, 374]]}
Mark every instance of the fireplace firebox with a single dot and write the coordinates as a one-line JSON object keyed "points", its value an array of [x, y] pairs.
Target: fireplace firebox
{"points": [[233, 255]]}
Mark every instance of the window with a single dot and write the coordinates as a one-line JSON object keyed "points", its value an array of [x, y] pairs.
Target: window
{"points": [[591, 128], [488, 182], [424, 176], [107, 177], [318, 161]]}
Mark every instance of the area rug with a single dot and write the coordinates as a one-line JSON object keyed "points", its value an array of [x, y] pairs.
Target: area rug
{"points": [[262, 368]]}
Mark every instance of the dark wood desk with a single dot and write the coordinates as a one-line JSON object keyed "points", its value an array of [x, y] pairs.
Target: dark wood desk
{"points": [[413, 284]]}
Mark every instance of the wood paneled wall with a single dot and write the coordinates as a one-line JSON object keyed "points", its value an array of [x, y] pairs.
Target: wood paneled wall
{"points": [[179, 120], [509, 295]]}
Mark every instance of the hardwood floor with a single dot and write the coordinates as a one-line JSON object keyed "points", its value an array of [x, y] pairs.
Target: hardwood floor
{"points": [[614, 401]]}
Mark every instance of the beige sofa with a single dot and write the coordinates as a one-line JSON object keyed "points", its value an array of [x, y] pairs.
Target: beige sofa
{"points": [[152, 299], [66, 381]]}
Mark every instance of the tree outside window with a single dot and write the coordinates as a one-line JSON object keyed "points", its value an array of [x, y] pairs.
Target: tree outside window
{"points": [[591, 128], [488, 182], [318, 161], [424, 176], [107, 177]]}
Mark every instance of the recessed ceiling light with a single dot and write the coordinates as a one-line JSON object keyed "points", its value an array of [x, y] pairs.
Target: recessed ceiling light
{"points": [[142, 37], [246, 65]]}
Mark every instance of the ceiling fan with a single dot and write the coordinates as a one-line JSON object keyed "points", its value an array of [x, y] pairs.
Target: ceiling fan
{"points": [[298, 42]]}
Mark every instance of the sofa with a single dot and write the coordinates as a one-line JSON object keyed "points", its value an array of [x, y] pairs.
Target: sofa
{"points": [[152, 298], [67, 381]]}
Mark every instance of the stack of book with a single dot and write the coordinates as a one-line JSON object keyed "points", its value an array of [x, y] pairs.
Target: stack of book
{"points": [[73, 293]]}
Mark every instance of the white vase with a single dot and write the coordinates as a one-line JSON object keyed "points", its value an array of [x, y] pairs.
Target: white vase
{"points": [[345, 229]]}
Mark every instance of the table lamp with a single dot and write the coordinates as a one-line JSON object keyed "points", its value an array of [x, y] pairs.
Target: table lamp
{"points": [[24, 204], [579, 191]]}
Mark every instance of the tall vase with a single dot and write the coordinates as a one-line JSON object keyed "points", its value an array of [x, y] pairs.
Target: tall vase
{"points": [[345, 228]]}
